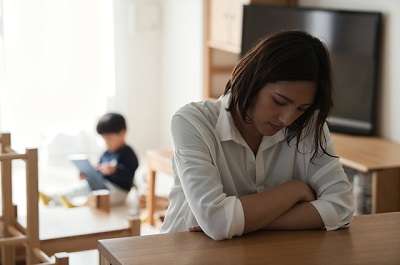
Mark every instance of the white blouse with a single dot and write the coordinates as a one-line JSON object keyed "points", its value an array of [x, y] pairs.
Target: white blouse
{"points": [[213, 166]]}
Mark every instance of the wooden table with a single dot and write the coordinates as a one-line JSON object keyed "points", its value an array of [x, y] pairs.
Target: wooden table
{"points": [[158, 160], [371, 239], [379, 157]]}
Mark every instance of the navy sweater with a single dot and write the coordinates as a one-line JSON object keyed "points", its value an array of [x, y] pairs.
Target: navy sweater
{"points": [[127, 164]]}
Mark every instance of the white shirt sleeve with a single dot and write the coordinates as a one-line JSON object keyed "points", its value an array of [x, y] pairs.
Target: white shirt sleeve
{"points": [[334, 192], [220, 216]]}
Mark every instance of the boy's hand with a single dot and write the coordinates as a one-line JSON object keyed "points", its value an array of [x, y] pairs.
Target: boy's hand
{"points": [[107, 169], [82, 176]]}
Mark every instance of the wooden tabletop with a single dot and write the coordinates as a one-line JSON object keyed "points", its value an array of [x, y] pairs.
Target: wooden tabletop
{"points": [[160, 159], [58, 222], [371, 239], [366, 153]]}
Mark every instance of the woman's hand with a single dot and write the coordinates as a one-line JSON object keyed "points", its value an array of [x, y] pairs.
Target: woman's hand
{"points": [[303, 190], [308, 192], [196, 228]]}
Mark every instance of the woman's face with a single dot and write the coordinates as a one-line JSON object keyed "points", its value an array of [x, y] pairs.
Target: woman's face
{"points": [[279, 104]]}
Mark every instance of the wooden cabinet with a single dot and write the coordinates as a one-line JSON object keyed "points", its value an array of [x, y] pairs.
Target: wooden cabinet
{"points": [[223, 34], [226, 24], [219, 19]]}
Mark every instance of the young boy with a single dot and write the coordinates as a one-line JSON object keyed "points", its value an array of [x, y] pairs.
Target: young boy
{"points": [[116, 167]]}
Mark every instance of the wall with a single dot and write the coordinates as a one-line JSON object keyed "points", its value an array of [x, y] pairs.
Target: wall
{"points": [[181, 59], [389, 94], [162, 64], [137, 71]]}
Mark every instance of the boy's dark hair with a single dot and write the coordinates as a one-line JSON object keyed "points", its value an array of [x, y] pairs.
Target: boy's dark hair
{"points": [[111, 123], [286, 56]]}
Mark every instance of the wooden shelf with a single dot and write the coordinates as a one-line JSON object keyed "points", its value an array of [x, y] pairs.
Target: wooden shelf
{"points": [[222, 70], [379, 157], [224, 47]]}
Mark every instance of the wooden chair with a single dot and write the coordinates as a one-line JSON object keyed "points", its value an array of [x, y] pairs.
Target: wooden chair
{"points": [[57, 229], [14, 235]]}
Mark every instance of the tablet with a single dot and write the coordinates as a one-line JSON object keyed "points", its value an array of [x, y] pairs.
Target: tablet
{"points": [[94, 178], [81, 161]]}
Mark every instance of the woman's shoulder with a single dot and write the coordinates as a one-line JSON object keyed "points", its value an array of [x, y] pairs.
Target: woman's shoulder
{"points": [[203, 112]]}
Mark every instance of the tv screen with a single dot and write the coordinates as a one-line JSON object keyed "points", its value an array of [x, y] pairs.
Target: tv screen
{"points": [[352, 38]]}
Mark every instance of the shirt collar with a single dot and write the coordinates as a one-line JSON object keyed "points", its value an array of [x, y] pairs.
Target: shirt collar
{"points": [[225, 127], [227, 130]]}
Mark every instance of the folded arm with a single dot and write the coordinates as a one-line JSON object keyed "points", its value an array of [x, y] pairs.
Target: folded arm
{"points": [[284, 207]]}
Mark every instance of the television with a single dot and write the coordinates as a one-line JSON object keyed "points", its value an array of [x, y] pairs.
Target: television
{"points": [[353, 41]]}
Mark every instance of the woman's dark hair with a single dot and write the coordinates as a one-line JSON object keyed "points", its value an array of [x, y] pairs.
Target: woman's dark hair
{"points": [[111, 123], [286, 56]]}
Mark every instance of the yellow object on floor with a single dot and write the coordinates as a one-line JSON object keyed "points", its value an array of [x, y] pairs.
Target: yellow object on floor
{"points": [[44, 198], [65, 202]]}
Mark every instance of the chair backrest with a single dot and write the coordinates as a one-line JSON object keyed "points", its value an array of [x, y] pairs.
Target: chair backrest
{"points": [[14, 233]]}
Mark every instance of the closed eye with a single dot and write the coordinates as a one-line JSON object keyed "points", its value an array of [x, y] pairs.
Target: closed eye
{"points": [[278, 103], [303, 109]]}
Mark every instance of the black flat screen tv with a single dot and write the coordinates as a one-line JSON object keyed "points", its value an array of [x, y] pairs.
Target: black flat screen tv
{"points": [[353, 42]]}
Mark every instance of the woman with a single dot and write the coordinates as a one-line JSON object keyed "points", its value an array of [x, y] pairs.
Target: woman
{"points": [[261, 157]]}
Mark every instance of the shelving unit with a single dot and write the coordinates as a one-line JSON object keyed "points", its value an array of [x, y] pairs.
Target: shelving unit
{"points": [[223, 33]]}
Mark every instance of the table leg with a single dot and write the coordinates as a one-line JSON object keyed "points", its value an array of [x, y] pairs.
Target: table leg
{"points": [[150, 199], [103, 260], [386, 190]]}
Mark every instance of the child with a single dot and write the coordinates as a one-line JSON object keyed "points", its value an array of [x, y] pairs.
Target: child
{"points": [[116, 167]]}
